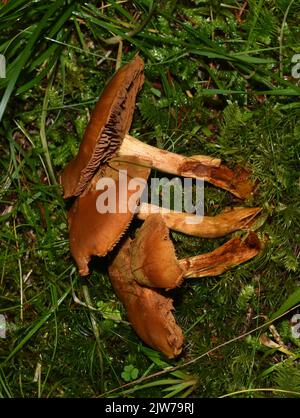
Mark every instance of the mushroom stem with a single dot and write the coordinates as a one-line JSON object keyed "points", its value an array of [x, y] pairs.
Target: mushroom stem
{"points": [[233, 252], [202, 226], [162, 160], [154, 262], [199, 167]]}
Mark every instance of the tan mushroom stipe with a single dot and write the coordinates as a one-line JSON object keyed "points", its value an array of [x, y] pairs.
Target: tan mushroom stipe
{"points": [[106, 136], [110, 121], [149, 312], [154, 262], [206, 226], [199, 167], [93, 233]]}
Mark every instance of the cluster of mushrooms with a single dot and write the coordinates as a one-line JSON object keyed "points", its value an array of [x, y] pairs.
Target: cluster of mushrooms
{"points": [[143, 265]]}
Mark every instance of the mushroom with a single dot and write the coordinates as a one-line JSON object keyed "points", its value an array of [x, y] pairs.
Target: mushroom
{"points": [[199, 167], [149, 312], [96, 233], [154, 262], [107, 136], [109, 122], [202, 226]]}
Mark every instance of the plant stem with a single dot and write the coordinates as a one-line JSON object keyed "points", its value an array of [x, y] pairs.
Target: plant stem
{"points": [[43, 130], [95, 331]]}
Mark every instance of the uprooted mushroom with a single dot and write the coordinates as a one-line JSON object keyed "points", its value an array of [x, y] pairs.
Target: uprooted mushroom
{"points": [[107, 136], [150, 261], [149, 312], [154, 262], [95, 229], [108, 152]]}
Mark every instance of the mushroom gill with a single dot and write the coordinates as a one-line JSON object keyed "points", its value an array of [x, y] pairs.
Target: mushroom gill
{"points": [[109, 122], [95, 230]]}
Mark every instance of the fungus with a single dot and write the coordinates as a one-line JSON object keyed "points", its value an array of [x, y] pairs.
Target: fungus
{"points": [[107, 136], [95, 232], [109, 122], [108, 152], [149, 312], [154, 262], [199, 167], [205, 226]]}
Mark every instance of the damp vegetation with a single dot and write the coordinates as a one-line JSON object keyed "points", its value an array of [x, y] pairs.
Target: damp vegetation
{"points": [[221, 81]]}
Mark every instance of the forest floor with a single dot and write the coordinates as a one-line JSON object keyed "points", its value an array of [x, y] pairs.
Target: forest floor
{"points": [[222, 79]]}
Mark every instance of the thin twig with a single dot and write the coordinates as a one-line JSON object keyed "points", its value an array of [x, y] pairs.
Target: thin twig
{"points": [[290, 392]]}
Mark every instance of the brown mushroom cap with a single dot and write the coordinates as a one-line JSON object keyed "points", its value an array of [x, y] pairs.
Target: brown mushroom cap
{"points": [[149, 312], [94, 233], [154, 262], [153, 259], [110, 122]]}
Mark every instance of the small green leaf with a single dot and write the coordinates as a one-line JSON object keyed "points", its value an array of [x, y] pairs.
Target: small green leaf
{"points": [[134, 373], [129, 373]]}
